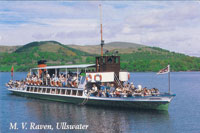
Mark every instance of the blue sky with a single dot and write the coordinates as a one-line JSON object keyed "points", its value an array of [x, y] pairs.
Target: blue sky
{"points": [[171, 25]]}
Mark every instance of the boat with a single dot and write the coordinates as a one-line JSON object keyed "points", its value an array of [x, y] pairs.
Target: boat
{"points": [[78, 88], [89, 84]]}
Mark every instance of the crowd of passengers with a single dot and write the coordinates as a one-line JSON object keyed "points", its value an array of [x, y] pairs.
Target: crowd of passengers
{"points": [[95, 89], [62, 80], [126, 90]]}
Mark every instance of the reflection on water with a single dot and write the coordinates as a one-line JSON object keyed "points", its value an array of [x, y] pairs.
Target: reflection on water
{"points": [[98, 119]]}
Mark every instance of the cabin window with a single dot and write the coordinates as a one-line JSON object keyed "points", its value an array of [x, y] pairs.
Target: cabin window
{"points": [[80, 93], [43, 90], [104, 60], [35, 90], [74, 92], [28, 89], [58, 91], [98, 60], [117, 60], [31, 88], [53, 91], [48, 90], [63, 91], [68, 92], [110, 60]]}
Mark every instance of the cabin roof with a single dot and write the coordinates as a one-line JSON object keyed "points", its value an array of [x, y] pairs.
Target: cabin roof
{"points": [[66, 66]]}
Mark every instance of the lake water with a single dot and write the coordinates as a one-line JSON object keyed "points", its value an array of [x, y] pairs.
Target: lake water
{"points": [[183, 114]]}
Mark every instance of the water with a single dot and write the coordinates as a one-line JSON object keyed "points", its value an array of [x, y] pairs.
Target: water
{"points": [[183, 114]]}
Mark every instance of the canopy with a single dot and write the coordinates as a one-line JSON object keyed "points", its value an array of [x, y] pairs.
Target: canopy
{"points": [[67, 66]]}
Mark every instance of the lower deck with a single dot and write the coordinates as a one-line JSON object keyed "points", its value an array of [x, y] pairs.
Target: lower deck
{"points": [[77, 96]]}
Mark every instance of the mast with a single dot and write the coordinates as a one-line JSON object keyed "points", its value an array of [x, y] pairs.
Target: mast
{"points": [[102, 41]]}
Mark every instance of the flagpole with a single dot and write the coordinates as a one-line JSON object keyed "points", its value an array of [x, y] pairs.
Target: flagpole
{"points": [[169, 79]]}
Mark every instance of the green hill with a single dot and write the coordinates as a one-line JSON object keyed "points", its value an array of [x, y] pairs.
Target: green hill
{"points": [[140, 58], [26, 57], [134, 57]]}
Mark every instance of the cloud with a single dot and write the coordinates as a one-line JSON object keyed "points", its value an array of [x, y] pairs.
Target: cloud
{"points": [[171, 25]]}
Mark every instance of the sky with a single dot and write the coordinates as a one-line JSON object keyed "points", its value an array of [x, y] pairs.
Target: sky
{"points": [[170, 25]]}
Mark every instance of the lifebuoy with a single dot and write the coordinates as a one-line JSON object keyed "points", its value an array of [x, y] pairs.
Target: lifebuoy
{"points": [[128, 75], [98, 75], [74, 83], [59, 84], [89, 78], [52, 83]]}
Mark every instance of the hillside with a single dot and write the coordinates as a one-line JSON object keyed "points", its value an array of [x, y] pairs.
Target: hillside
{"points": [[122, 47], [8, 49], [140, 58], [27, 56], [134, 57]]}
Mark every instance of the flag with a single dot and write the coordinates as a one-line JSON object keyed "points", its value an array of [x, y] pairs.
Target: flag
{"points": [[164, 70], [12, 70]]}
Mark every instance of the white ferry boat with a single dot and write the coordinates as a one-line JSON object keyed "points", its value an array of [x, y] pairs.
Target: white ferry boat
{"points": [[100, 84]]}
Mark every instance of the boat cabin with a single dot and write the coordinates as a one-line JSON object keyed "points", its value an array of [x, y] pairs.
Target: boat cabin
{"points": [[108, 64]]}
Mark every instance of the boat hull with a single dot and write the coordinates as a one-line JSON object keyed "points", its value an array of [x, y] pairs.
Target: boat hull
{"points": [[136, 103]]}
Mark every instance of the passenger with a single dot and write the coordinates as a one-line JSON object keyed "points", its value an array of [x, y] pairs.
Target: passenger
{"points": [[52, 80], [129, 94], [94, 90], [157, 91], [44, 81], [103, 88], [62, 80], [108, 93], [68, 80], [126, 88], [28, 81], [100, 90], [48, 80], [9, 84], [112, 89], [40, 82], [145, 91], [153, 90], [128, 85], [132, 87], [18, 84], [118, 92], [34, 80], [74, 82], [55, 79], [108, 86], [139, 89], [148, 92], [29, 74], [44, 78], [103, 93], [65, 80]]}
